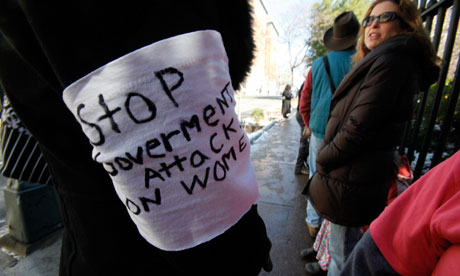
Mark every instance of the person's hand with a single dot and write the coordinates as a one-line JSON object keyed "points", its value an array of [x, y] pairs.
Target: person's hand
{"points": [[306, 132]]}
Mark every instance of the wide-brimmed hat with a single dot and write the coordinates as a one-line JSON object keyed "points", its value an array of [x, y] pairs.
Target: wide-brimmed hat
{"points": [[344, 32]]}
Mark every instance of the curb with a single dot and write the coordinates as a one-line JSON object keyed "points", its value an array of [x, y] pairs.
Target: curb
{"points": [[255, 135]]}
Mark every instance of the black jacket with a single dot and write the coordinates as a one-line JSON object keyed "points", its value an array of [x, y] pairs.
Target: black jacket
{"points": [[368, 112], [47, 45]]}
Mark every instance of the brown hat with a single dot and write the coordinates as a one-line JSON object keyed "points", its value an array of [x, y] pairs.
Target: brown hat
{"points": [[344, 33]]}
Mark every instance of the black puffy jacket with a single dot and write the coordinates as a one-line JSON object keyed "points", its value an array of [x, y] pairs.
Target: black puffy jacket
{"points": [[368, 112]]}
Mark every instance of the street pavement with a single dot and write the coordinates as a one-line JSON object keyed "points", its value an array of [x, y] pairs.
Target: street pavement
{"points": [[281, 205]]}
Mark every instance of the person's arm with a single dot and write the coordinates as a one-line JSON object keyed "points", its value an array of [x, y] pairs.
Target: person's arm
{"points": [[419, 227], [372, 110], [418, 233], [305, 100]]}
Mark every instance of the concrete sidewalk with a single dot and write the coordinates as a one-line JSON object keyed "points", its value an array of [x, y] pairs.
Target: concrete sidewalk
{"points": [[282, 207]]}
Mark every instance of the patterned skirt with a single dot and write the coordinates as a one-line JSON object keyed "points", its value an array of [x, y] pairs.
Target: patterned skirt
{"points": [[321, 245]]}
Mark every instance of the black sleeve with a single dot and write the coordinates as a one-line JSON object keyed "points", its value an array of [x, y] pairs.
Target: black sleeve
{"points": [[53, 43], [77, 37]]}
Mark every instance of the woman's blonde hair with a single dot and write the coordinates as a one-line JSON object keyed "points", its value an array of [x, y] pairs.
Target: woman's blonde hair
{"points": [[411, 24]]}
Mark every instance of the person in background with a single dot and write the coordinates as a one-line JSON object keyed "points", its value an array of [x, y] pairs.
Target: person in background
{"points": [[419, 233], [301, 166], [394, 61], [133, 109], [286, 103], [319, 87]]}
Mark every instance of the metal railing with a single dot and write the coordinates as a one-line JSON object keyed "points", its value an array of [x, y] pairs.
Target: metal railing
{"points": [[432, 135]]}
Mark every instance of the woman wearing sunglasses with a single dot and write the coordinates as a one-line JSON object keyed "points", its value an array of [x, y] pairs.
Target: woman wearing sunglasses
{"points": [[394, 61]]}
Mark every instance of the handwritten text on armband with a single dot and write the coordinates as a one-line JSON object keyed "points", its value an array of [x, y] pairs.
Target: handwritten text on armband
{"points": [[157, 154]]}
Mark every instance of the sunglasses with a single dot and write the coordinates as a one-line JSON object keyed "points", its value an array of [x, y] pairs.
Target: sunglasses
{"points": [[384, 17]]}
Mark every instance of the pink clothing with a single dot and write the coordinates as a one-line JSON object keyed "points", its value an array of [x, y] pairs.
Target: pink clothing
{"points": [[449, 263], [423, 222]]}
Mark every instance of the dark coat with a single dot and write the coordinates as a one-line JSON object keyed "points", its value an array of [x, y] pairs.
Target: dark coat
{"points": [[368, 113], [286, 103], [68, 40]]}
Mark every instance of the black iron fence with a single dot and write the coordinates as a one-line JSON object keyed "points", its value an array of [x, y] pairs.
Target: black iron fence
{"points": [[434, 133]]}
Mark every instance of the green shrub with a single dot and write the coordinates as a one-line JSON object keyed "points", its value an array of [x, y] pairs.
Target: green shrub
{"points": [[258, 114]]}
